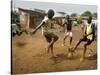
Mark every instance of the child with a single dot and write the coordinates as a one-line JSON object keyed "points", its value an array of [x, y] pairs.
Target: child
{"points": [[88, 36], [68, 30], [49, 35]]}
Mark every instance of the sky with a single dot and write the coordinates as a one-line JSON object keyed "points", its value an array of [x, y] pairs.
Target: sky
{"points": [[68, 8]]}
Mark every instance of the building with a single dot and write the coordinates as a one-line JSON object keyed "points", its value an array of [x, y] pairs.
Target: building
{"points": [[29, 19], [59, 18]]}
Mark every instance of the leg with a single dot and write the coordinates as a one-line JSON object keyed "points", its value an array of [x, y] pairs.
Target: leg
{"points": [[85, 48], [51, 46], [70, 39], [48, 48], [84, 52], [65, 38], [52, 50], [82, 39], [51, 39], [52, 43], [48, 44], [78, 44]]}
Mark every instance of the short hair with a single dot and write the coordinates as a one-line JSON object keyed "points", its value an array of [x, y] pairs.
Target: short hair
{"points": [[67, 16], [50, 13]]}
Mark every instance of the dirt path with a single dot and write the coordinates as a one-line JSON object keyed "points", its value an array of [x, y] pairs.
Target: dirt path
{"points": [[29, 54]]}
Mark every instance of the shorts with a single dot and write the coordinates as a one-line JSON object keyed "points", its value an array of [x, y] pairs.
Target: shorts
{"points": [[88, 41], [68, 33], [49, 36]]}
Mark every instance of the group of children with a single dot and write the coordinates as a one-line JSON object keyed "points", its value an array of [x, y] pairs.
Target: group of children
{"points": [[51, 37]]}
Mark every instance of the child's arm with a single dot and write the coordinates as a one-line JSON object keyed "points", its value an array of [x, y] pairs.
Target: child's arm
{"points": [[65, 26], [41, 24]]}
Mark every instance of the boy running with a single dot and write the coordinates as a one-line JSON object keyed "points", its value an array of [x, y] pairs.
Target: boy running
{"points": [[88, 36], [50, 37]]}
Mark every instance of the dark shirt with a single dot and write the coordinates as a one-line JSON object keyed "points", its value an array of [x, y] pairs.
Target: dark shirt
{"points": [[68, 24]]}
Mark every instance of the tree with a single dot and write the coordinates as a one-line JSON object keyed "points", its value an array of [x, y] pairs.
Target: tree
{"points": [[94, 14], [86, 13], [74, 15]]}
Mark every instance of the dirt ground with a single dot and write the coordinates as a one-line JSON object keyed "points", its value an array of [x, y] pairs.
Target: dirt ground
{"points": [[29, 54]]}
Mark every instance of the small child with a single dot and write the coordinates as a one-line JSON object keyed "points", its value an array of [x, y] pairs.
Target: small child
{"points": [[88, 36], [68, 30]]}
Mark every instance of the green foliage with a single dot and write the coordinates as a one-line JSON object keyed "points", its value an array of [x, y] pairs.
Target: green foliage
{"points": [[94, 15], [86, 13], [74, 15], [79, 21]]}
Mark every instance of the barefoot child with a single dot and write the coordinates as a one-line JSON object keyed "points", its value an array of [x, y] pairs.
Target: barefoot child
{"points": [[68, 30], [49, 35], [88, 36]]}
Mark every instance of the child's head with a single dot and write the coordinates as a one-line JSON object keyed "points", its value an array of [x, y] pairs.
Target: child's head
{"points": [[67, 17], [90, 19], [50, 13]]}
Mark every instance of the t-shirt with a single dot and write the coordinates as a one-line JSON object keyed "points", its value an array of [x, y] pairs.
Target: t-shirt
{"points": [[90, 28], [48, 24]]}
